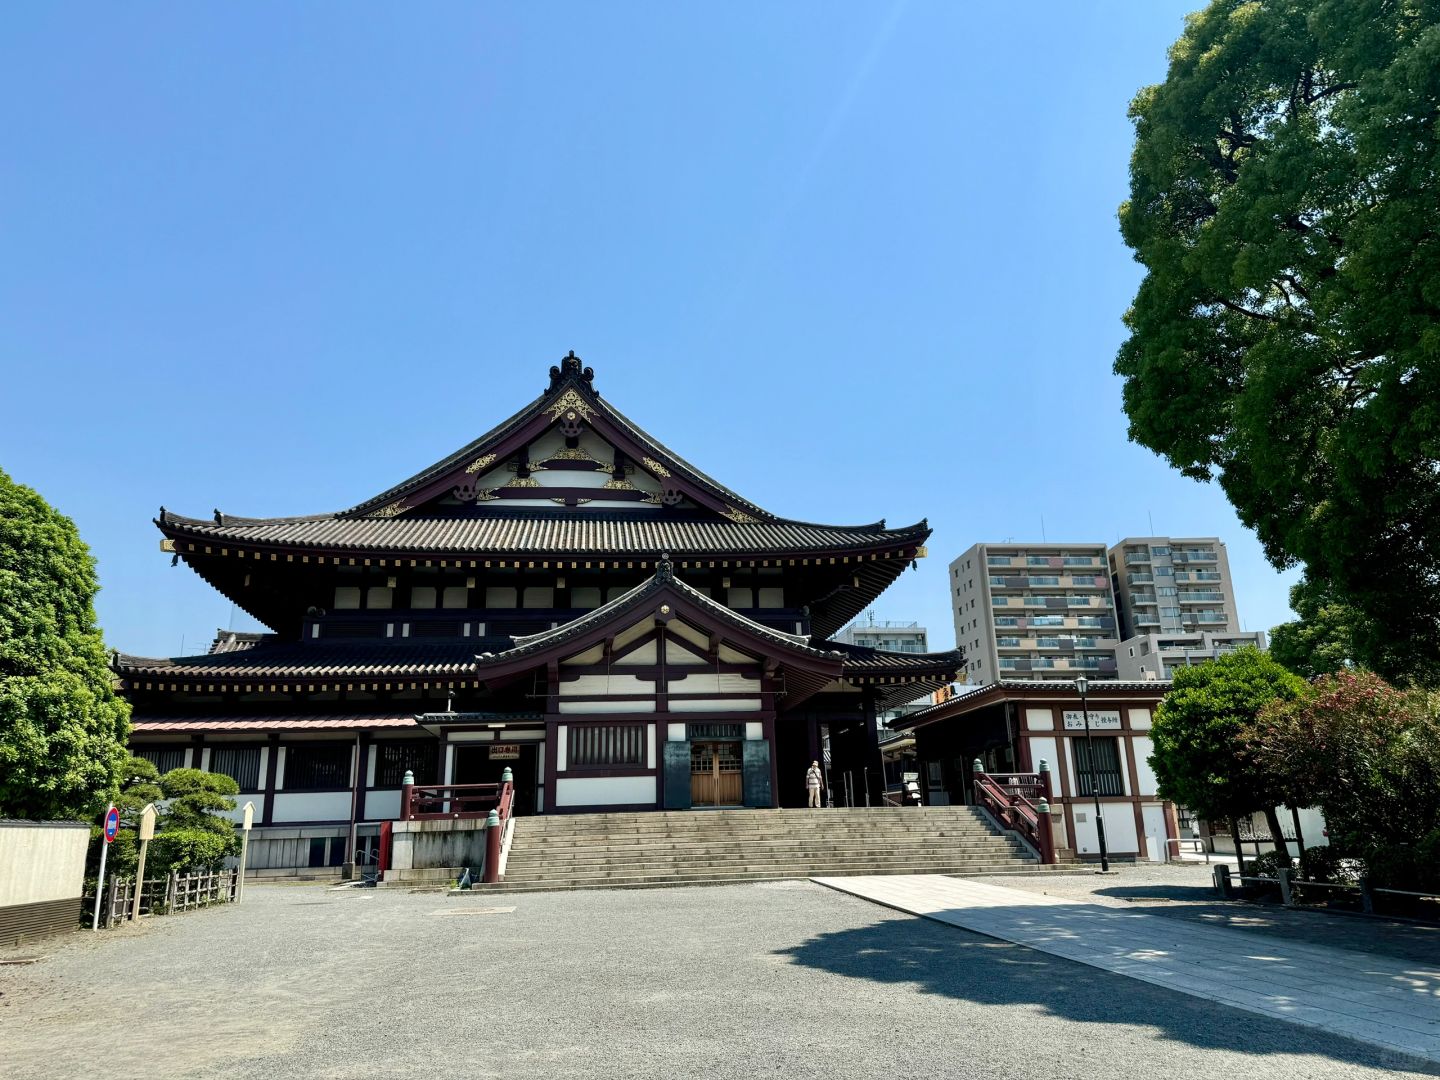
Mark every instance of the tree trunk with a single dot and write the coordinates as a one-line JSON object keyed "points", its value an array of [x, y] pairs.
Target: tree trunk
{"points": [[1239, 851], [1299, 836], [1276, 833]]}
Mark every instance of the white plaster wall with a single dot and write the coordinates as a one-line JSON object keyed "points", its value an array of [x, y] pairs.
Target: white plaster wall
{"points": [[562, 745], [42, 862], [312, 806], [677, 733], [1120, 836], [382, 805], [754, 731], [1142, 747], [589, 685], [604, 790], [1044, 748], [709, 682], [1140, 719], [650, 746], [1039, 720], [645, 656], [280, 769], [597, 708], [712, 705]]}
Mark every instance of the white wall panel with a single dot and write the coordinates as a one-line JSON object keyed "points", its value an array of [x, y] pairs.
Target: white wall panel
{"points": [[1039, 720], [605, 791], [312, 806], [1140, 719], [1142, 748], [1044, 749], [382, 805], [607, 708], [711, 705]]}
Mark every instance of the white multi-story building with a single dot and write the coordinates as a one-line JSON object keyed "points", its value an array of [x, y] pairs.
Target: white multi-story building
{"points": [[1034, 611]]}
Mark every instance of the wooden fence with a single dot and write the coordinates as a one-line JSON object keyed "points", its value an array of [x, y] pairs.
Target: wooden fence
{"points": [[162, 896]]}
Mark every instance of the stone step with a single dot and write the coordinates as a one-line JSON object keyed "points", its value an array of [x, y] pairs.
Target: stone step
{"points": [[559, 846], [742, 831], [518, 860], [666, 882], [780, 869]]}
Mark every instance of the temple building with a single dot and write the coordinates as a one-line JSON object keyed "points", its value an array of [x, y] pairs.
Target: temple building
{"points": [[565, 597]]}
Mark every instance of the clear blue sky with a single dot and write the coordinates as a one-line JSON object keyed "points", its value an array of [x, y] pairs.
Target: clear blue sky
{"points": [[274, 258]]}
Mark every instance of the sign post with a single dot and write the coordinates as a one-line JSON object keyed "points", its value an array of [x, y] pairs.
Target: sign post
{"points": [[145, 835], [245, 824], [112, 830]]}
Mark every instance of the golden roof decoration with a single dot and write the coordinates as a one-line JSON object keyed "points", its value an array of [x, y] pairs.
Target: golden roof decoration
{"points": [[393, 510], [479, 463], [569, 402], [655, 466]]}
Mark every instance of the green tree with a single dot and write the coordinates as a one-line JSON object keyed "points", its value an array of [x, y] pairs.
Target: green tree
{"points": [[1324, 639], [62, 729], [193, 834], [1367, 754], [1201, 757], [139, 786], [1285, 189]]}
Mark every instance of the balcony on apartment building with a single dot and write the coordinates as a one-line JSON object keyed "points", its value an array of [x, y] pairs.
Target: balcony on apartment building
{"points": [[1134, 557], [1198, 575], [1201, 596], [1194, 555]]}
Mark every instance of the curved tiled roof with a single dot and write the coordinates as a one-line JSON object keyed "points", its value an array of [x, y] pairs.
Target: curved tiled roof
{"points": [[550, 533], [291, 660]]}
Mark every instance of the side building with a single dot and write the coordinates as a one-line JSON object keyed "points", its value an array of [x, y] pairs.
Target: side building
{"points": [[565, 597], [1034, 611]]}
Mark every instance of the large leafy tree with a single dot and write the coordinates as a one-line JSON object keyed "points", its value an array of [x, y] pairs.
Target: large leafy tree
{"points": [[62, 729], [194, 833], [1326, 637], [1367, 754], [1285, 202], [1202, 759]]}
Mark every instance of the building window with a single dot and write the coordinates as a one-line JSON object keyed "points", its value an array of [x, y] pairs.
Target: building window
{"points": [[394, 759], [1108, 778], [1159, 551], [379, 597], [318, 767], [999, 601], [594, 746], [455, 596], [164, 758], [240, 763], [347, 598], [422, 597]]}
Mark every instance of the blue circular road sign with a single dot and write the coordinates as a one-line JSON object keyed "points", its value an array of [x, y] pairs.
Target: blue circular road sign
{"points": [[112, 825]]}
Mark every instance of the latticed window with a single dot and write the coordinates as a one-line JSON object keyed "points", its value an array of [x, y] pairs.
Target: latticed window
{"points": [[164, 758], [240, 763], [317, 767], [394, 759], [1108, 778], [601, 745]]}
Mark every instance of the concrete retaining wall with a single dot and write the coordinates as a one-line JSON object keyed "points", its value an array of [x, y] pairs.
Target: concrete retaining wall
{"points": [[42, 877], [444, 842]]}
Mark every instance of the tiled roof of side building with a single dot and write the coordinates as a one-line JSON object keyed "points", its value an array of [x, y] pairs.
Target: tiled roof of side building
{"points": [[290, 660]]}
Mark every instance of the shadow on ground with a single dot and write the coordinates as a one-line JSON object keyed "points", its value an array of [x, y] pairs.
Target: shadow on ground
{"points": [[1412, 941], [957, 963]]}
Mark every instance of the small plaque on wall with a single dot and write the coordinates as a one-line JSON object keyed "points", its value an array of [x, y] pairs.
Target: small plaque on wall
{"points": [[1099, 721], [504, 751]]}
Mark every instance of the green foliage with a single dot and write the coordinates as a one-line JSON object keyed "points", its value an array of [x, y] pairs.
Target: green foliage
{"points": [[1323, 640], [1286, 337], [1268, 863], [1326, 864], [192, 835], [62, 729], [1368, 755], [1200, 758], [139, 786]]}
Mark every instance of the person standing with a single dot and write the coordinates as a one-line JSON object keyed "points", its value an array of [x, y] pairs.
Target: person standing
{"points": [[812, 783]]}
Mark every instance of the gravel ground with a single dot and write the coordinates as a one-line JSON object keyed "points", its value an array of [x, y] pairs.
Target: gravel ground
{"points": [[1186, 891], [728, 982]]}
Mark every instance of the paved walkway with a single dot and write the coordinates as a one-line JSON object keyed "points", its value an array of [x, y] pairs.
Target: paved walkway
{"points": [[1380, 1000]]}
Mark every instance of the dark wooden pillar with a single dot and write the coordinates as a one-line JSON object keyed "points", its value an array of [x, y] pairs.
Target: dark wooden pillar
{"points": [[271, 764]]}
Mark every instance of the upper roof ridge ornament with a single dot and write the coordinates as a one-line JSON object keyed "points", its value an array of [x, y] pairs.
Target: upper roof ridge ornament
{"points": [[571, 368], [663, 570]]}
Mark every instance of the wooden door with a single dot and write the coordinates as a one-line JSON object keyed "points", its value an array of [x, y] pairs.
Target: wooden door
{"points": [[716, 774]]}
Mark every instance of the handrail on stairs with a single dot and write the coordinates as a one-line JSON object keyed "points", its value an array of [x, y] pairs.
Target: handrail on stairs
{"points": [[1019, 802]]}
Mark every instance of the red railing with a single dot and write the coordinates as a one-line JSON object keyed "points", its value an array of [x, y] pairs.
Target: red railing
{"points": [[1019, 802], [428, 801]]}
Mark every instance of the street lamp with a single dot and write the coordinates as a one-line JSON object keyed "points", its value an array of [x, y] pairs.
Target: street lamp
{"points": [[1082, 684]]}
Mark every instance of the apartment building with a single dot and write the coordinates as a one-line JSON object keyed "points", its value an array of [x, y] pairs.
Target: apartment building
{"points": [[1156, 656], [1034, 611], [872, 633], [1169, 585]]}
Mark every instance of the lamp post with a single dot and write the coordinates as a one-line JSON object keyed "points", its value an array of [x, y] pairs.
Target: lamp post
{"points": [[1082, 684]]}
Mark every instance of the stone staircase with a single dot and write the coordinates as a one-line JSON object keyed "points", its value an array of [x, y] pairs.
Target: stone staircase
{"points": [[648, 850]]}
